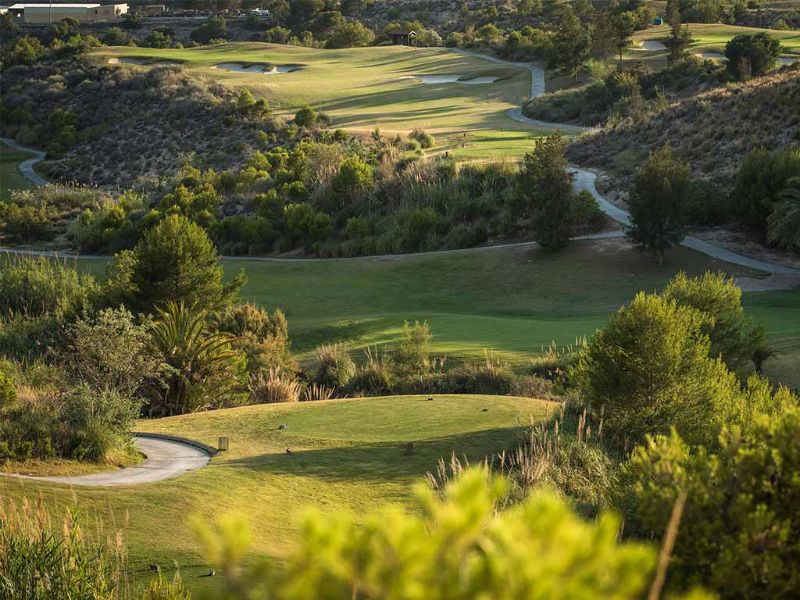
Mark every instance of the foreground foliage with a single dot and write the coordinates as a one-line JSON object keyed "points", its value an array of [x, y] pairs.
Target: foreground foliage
{"points": [[460, 545]]}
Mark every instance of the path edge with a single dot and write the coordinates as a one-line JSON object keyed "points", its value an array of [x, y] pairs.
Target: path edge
{"points": [[210, 450]]}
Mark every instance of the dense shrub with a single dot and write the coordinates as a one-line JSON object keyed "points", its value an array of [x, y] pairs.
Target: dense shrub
{"points": [[81, 423], [373, 378], [334, 367], [8, 391], [649, 369], [461, 542], [273, 386], [751, 55], [740, 525]]}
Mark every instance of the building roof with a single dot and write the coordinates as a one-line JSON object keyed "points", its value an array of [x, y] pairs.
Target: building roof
{"points": [[54, 5], [402, 32]]}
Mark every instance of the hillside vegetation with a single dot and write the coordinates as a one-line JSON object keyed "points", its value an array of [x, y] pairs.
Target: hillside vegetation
{"points": [[713, 131], [104, 126]]}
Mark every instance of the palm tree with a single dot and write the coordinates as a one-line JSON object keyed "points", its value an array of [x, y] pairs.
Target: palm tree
{"points": [[783, 225], [202, 365]]}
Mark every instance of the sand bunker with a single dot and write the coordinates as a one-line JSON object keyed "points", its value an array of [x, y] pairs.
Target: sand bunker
{"points": [[260, 68], [132, 60], [435, 79], [652, 46], [711, 56]]}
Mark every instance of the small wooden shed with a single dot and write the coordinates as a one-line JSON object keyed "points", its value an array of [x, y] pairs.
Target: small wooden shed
{"points": [[402, 37]]}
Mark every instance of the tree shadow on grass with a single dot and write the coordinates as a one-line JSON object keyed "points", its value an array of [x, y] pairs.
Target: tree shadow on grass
{"points": [[381, 461]]}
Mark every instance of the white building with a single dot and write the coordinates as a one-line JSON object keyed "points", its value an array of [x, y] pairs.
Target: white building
{"points": [[38, 14]]}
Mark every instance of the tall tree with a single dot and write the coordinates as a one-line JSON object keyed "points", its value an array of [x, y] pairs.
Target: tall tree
{"points": [[545, 189], [657, 203], [624, 25], [679, 35], [173, 262], [572, 41], [603, 35]]}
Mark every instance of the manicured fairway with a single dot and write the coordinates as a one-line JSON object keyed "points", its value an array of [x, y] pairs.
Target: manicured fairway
{"points": [[364, 88], [10, 177], [345, 454], [714, 36]]}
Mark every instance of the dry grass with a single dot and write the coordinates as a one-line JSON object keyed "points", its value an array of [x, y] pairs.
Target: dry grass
{"points": [[712, 131]]}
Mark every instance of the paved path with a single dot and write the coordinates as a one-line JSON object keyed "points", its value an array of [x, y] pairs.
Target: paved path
{"points": [[165, 459], [26, 166], [585, 180]]}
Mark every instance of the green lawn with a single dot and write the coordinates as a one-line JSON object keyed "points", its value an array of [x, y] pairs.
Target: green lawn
{"points": [[10, 177], [345, 454], [512, 301], [714, 36], [364, 88]]}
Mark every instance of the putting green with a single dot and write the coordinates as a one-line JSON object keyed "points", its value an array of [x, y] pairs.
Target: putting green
{"points": [[365, 88], [345, 454]]}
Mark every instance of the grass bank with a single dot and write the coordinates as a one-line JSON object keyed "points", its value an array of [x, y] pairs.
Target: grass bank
{"points": [[345, 454]]}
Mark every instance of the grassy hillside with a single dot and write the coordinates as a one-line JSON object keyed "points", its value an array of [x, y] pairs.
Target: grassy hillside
{"points": [[364, 88], [345, 454], [713, 131]]}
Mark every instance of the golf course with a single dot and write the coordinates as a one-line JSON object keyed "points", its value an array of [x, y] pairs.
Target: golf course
{"points": [[460, 98], [506, 303], [349, 453]]}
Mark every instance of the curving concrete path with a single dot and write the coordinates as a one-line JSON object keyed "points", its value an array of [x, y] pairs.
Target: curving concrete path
{"points": [[165, 458], [26, 166], [584, 180]]}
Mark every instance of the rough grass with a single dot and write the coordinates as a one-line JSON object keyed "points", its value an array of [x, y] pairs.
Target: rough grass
{"points": [[363, 88], [345, 454]]}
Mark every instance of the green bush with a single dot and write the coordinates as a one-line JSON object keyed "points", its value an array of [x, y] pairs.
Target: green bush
{"points": [[374, 378], [485, 377], [412, 354], [334, 367], [45, 287], [457, 545], [739, 531], [649, 370], [8, 391]]}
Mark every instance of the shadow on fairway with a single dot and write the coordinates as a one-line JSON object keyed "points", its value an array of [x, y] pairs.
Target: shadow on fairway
{"points": [[382, 461]]}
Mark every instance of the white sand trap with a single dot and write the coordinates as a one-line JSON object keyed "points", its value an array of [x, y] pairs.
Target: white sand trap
{"points": [[125, 60], [130, 60], [435, 79], [788, 60], [652, 46], [711, 56], [261, 69], [478, 80]]}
